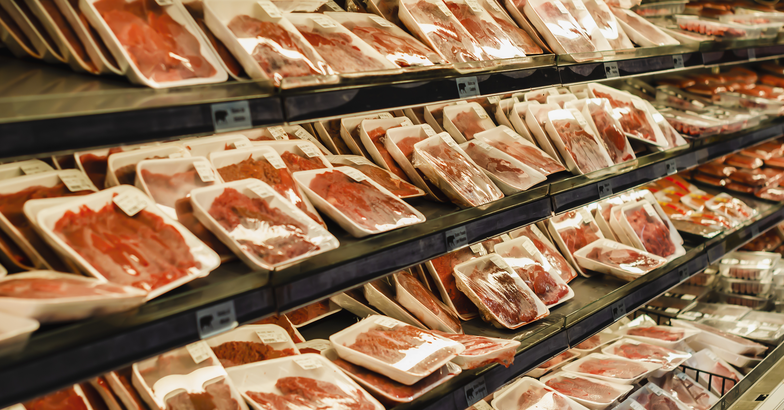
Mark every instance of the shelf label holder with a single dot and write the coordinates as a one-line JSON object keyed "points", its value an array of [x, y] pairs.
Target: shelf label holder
{"points": [[230, 116], [677, 61], [683, 274], [475, 391], [604, 188], [456, 238], [216, 319], [611, 70], [671, 166], [618, 310], [467, 87]]}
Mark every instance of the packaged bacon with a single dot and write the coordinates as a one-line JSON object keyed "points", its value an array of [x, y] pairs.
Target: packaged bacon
{"points": [[179, 59], [519, 36], [616, 259], [343, 50], [442, 268], [613, 369], [501, 295], [388, 39], [382, 176], [562, 32], [527, 393], [463, 121], [298, 155], [508, 141], [357, 203], [121, 166], [632, 114], [632, 349], [481, 351], [523, 257], [573, 231], [598, 114], [433, 23], [452, 170], [686, 390], [413, 295], [250, 344], [592, 393], [717, 169], [495, 42], [641, 31], [373, 133], [645, 228], [396, 350], [576, 141], [508, 173], [548, 250]]}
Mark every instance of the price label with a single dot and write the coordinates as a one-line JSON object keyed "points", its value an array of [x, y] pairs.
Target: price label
{"points": [[529, 247], [581, 120], [324, 21], [578, 5], [677, 61], [752, 53], [481, 144], [302, 134], [278, 133], [307, 363], [199, 351], [333, 6], [309, 150], [475, 391], [385, 116], [655, 389], [320, 345], [271, 336], [131, 201], [216, 319], [611, 70], [482, 405], [386, 322], [683, 273], [76, 181], [274, 160], [269, 8], [474, 6], [508, 131], [561, 7], [35, 167], [496, 98], [354, 174], [175, 155], [381, 21], [680, 375], [231, 116], [618, 310], [456, 238], [406, 123], [242, 144], [466, 86], [671, 167], [477, 248], [429, 131], [494, 5], [604, 188], [480, 112], [449, 141], [444, 9], [261, 191]]}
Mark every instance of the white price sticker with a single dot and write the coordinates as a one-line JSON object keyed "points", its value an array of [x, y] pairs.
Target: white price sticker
{"points": [[655, 389], [386, 322], [302, 134], [175, 155], [333, 6], [320, 345], [274, 160], [242, 144], [529, 247], [474, 6], [354, 174], [204, 170], [476, 248], [381, 21], [481, 144], [494, 5], [199, 351], [271, 336], [636, 406], [385, 116], [307, 363], [578, 5], [130, 201], [270, 9], [449, 141], [505, 237], [429, 131], [581, 121], [324, 21], [261, 191], [278, 133], [32, 168], [510, 133], [496, 98], [444, 9], [480, 112], [561, 7], [481, 405], [309, 150], [76, 181], [406, 123]]}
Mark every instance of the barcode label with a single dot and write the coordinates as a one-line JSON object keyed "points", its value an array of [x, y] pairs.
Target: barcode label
{"points": [[241, 144], [429, 131], [354, 174], [274, 160], [270, 9], [449, 141], [476, 248], [271, 336], [381, 21], [529, 247], [199, 351], [320, 345], [481, 144], [406, 123], [309, 150], [261, 191], [655, 389], [32, 168], [385, 116], [76, 182], [278, 133], [474, 6], [204, 170], [480, 112], [307, 363], [386, 322], [130, 201], [324, 22]]}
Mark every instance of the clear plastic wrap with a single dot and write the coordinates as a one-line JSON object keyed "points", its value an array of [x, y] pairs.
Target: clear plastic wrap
{"points": [[576, 141], [562, 32], [442, 268], [713, 335], [252, 343], [502, 297], [495, 42], [579, 11], [397, 350], [599, 115], [399, 142], [555, 363], [686, 390], [523, 257], [452, 170], [481, 351], [616, 259], [527, 393], [646, 352], [733, 208], [380, 294], [613, 369], [632, 114], [506, 140], [716, 28], [548, 250], [413, 295], [707, 361], [519, 36], [651, 397], [574, 230], [382, 176], [748, 265], [592, 393], [649, 231], [391, 41], [312, 312], [259, 224], [463, 121], [434, 23], [641, 31], [507, 172]]}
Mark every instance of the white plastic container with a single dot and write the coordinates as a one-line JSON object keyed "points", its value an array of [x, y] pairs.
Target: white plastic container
{"points": [[624, 105], [641, 31], [168, 181], [535, 119], [106, 64], [517, 119], [509, 398], [418, 133], [381, 295], [431, 311], [503, 350], [14, 331], [462, 121], [599, 116], [506, 171], [669, 360], [570, 225], [349, 132], [548, 250], [505, 139], [204, 146], [737, 360], [121, 166], [715, 337], [110, 299], [652, 218], [386, 178], [272, 336], [645, 368], [21, 168], [680, 335], [304, 149], [587, 258], [620, 389], [561, 30], [376, 143], [432, 353], [205, 257], [445, 282], [608, 25]]}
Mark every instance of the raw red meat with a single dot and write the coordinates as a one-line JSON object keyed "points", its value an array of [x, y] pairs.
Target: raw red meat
{"points": [[626, 259], [644, 27], [501, 168], [309, 312], [267, 232], [95, 166], [620, 369], [480, 345], [633, 120], [652, 232], [66, 399], [500, 296], [140, 251], [716, 382], [406, 145], [217, 396], [613, 138], [185, 216], [564, 28], [579, 236], [468, 123], [711, 28], [396, 346], [542, 399], [556, 260], [403, 51], [296, 162], [590, 343], [583, 388], [529, 155], [444, 266], [67, 31], [649, 353], [279, 53], [519, 37], [581, 145], [452, 41], [655, 332], [653, 401], [536, 276], [196, 11], [361, 202], [339, 51], [278, 179], [686, 391], [750, 177], [40, 288], [493, 39], [388, 180], [319, 394], [428, 300], [283, 322], [376, 136], [166, 190], [162, 49], [233, 354], [557, 360]]}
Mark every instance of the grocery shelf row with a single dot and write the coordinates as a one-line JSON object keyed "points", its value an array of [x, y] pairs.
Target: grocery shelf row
{"points": [[59, 356]]}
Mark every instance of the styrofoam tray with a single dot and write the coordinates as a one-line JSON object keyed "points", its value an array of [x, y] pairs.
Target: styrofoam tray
{"points": [[525, 179], [385, 124], [605, 339], [629, 273], [14, 331], [204, 146], [472, 109], [620, 389], [574, 367], [443, 320], [687, 335], [672, 360], [21, 168], [302, 148], [714, 337], [273, 336], [509, 398], [126, 158], [381, 295], [535, 119]]}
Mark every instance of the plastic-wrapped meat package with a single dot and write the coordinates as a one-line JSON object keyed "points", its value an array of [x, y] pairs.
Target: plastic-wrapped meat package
{"points": [[501, 296], [607, 366], [650, 400], [766, 242], [557, 360], [481, 350], [646, 352], [548, 250], [764, 151], [383, 177], [506, 140], [309, 313], [510, 174], [576, 229], [72, 398], [608, 25], [442, 268], [308, 393], [667, 334], [160, 48], [296, 162], [339, 47], [706, 360], [560, 29], [391, 41], [738, 187], [633, 119], [438, 316], [196, 10], [641, 31], [463, 121], [580, 12], [528, 393], [523, 257], [742, 161], [376, 131], [576, 142], [670, 134], [435, 24], [770, 193], [453, 171], [237, 353], [481, 25], [709, 179], [583, 388], [519, 37], [608, 129], [279, 179], [617, 259], [685, 390], [717, 169], [654, 235], [751, 177], [733, 208]]}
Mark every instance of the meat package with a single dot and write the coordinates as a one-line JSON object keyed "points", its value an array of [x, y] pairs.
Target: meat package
{"points": [[646, 352], [373, 132], [562, 32], [73, 397], [645, 228], [388, 39], [399, 142], [585, 20], [203, 146], [523, 257], [530, 393], [57, 30], [572, 231], [501, 295], [481, 351], [343, 50], [147, 250], [397, 350], [357, 203], [665, 336], [298, 155], [707, 361], [748, 265], [349, 132], [592, 393], [442, 268], [651, 397], [463, 121], [251, 344], [519, 36], [686, 390], [381, 295], [598, 113], [608, 25], [157, 46], [616, 259], [722, 29], [453, 172], [491, 36], [24, 240], [613, 369], [548, 250], [307, 381], [508, 173], [641, 31], [514, 116], [266, 44], [424, 305], [50, 297], [194, 365], [259, 225], [508, 141], [553, 364], [576, 141], [263, 163], [382, 176], [121, 166], [632, 114], [733, 208]]}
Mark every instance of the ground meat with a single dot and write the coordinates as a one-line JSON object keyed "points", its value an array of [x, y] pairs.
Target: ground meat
{"points": [[238, 353]]}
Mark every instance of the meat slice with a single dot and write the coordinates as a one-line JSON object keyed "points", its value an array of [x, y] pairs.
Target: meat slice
{"points": [[481, 346], [625, 259], [652, 232], [502, 169], [668, 334], [296, 162], [339, 51], [519, 37], [583, 388], [387, 179], [529, 155], [400, 49], [376, 136], [468, 123], [581, 146], [444, 33], [567, 32], [620, 369], [493, 39], [612, 136], [633, 120], [653, 401]]}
